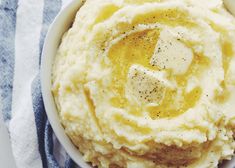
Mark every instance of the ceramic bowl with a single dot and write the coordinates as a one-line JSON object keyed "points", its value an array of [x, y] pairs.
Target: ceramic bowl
{"points": [[61, 24]]}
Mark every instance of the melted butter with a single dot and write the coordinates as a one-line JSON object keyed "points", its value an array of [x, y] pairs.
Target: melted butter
{"points": [[192, 98], [117, 102], [106, 13], [199, 64], [136, 48], [167, 108], [227, 49], [171, 17]]}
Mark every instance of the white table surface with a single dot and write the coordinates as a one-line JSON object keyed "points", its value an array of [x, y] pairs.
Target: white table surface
{"points": [[6, 157]]}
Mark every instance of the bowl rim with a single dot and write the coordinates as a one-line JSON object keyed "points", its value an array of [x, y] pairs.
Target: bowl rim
{"points": [[56, 30]]}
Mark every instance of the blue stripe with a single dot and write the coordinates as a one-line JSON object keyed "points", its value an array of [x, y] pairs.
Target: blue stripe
{"points": [[51, 161], [40, 117], [70, 163], [44, 131], [7, 53], [51, 8]]}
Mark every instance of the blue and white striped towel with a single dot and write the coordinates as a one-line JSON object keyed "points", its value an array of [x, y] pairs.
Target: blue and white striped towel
{"points": [[23, 26]]}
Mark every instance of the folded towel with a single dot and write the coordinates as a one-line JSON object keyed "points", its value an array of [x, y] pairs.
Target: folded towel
{"points": [[23, 26]]}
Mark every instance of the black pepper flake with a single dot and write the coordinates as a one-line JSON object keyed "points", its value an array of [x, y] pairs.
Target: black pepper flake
{"points": [[159, 49]]}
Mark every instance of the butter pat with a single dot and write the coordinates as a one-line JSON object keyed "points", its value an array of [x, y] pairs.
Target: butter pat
{"points": [[171, 53], [146, 86]]}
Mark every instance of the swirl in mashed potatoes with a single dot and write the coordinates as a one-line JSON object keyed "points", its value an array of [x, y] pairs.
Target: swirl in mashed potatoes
{"points": [[149, 83]]}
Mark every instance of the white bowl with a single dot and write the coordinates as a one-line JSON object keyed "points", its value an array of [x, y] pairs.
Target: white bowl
{"points": [[60, 25]]}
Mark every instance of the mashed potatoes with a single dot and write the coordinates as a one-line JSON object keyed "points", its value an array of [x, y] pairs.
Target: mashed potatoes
{"points": [[149, 83]]}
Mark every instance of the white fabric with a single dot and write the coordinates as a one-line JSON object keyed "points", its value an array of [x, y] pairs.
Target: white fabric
{"points": [[28, 28]]}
